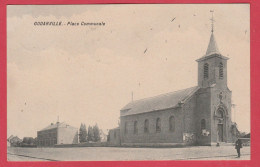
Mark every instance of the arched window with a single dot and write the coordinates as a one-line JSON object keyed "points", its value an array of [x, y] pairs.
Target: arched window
{"points": [[135, 127], [203, 124], [172, 123], [158, 125], [221, 70], [126, 128], [206, 70], [146, 126]]}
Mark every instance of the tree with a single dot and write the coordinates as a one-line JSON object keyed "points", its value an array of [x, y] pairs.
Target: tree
{"points": [[28, 140], [96, 133], [31, 141], [35, 141], [90, 133], [242, 134], [82, 133], [85, 133]]}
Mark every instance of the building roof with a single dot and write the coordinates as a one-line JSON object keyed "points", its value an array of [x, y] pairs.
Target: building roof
{"points": [[54, 126], [212, 47], [160, 102], [9, 138], [212, 50], [15, 139]]}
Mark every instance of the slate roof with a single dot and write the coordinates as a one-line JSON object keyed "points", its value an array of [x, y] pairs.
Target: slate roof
{"points": [[212, 47], [53, 126], [160, 102], [212, 50]]}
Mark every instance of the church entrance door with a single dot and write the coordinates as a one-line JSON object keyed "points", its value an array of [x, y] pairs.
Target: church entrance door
{"points": [[220, 132]]}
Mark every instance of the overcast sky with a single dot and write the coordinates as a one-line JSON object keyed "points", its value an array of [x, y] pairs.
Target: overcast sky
{"points": [[85, 74]]}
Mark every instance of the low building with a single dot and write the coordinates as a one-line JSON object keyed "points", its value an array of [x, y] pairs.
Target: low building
{"points": [[14, 141], [59, 133], [8, 141], [113, 137]]}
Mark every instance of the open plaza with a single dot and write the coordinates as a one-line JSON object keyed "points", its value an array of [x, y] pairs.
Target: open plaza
{"points": [[126, 154]]}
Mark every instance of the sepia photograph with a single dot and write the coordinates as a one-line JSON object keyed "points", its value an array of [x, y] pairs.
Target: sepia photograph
{"points": [[128, 82]]}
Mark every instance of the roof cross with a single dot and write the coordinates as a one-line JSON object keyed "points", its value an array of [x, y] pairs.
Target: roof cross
{"points": [[212, 20]]}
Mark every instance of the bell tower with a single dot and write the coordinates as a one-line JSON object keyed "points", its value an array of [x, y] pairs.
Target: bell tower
{"points": [[212, 67]]}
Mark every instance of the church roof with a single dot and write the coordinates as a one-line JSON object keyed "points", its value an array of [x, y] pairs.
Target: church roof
{"points": [[160, 102], [54, 126], [212, 50], [212, 47]]}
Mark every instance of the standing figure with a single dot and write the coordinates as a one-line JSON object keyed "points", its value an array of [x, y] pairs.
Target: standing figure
{"points": [[238, 146]]}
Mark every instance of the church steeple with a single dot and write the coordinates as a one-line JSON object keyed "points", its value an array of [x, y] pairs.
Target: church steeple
{"points": [[212, 47], [212, 67]]}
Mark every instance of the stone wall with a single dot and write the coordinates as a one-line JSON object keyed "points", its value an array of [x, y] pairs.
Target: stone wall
{"points": [[67, 135], [153, 136], [189, 111], [203, 111], [221, 99], [213, 62], [47, 138], [96, 144]]}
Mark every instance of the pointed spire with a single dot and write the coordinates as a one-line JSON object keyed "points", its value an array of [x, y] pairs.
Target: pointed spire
{"points": [[212, 47]]}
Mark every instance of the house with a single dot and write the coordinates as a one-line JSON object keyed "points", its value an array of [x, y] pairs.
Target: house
{"points": [[59, 133], [14, 141]]}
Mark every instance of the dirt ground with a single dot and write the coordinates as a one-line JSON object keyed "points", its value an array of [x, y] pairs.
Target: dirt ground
{"points": [[122, 154]]}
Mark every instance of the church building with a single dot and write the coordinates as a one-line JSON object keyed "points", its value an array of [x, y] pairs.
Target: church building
{"points": [[200, 115]]}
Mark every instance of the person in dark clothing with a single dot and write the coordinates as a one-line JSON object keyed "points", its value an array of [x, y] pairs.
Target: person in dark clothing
{"points": [[238, 146]]}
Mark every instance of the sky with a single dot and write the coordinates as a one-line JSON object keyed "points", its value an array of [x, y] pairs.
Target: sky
{"points": [[86, 74]]}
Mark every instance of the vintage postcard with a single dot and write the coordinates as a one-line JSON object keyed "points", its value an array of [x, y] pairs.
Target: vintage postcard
{"points": [[128, 82]]}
